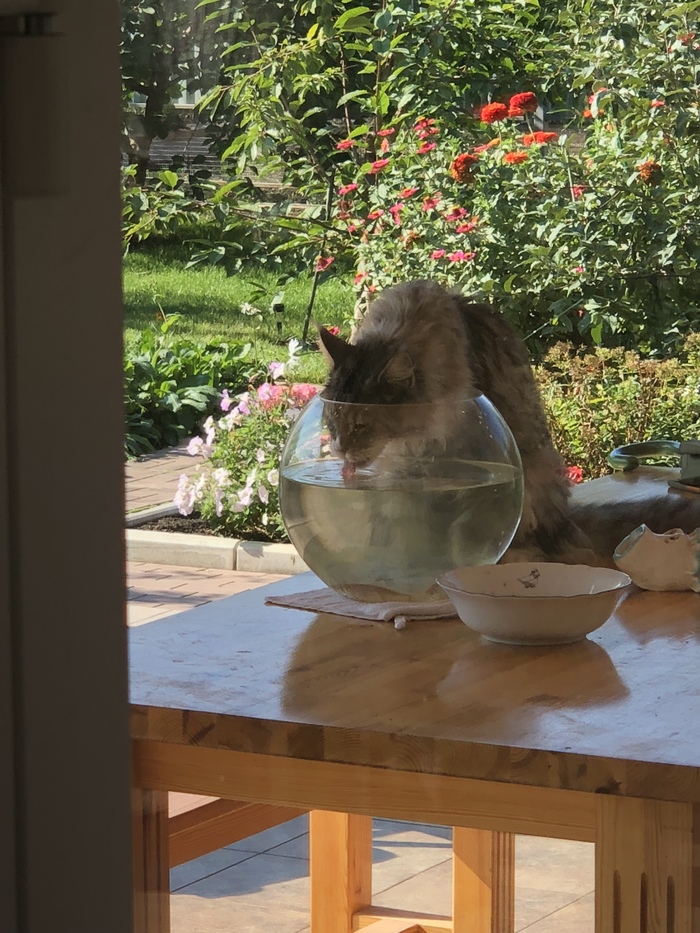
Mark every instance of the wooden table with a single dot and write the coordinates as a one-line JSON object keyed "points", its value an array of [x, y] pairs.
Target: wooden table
{"points": [[596, 741]]}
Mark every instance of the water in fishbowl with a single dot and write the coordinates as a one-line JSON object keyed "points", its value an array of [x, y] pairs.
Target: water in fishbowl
{"points": [[377, 537]]}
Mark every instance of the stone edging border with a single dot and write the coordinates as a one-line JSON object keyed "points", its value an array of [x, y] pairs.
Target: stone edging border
{"points": [[186, 550]]}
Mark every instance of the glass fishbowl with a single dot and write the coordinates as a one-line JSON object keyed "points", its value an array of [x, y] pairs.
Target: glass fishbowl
{"points": [[379, 500]]}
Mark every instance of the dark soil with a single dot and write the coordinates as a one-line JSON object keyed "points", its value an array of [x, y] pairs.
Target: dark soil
{"points": [[195, 525]]}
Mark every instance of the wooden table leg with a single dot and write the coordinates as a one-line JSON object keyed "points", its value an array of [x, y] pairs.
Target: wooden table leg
{"points": [[643, 866], [341, 869], [149, 811], [483, 881]]}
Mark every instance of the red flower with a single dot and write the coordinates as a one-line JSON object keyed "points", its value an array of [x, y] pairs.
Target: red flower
{"points": [[359, 278], [345, 144], [466, 228], [437, 254], [323, 262], [377, 166], [427, 132], [333, 330], [493, 112], [422, 124], [455, 213], [574, 474], [430, 204], [687, 38], [488, 145], [587, 114], [539, 138], [578, 190], [601, 90], [346, 189], [395, 211], [375, 215], [515, 158], [426, 147], [385, 146], [462, 167], [522, 103], [387, 132], [657, 103], [460, 256], [408, 192]]}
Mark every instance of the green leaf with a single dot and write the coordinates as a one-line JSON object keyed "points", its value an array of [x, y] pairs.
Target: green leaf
{"points": [[169, 178]]}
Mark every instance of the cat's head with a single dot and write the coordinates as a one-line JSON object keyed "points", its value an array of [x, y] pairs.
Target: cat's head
{"points": [[369, 381]]}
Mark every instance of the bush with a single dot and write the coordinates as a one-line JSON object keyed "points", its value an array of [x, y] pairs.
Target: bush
{"points": [[171, 385], [591, 236], [598, 401]]}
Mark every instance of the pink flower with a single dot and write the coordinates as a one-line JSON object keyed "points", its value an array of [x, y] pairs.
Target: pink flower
{"points": [[352, 227], [359, 278], [378, 166], [384, 146], [303, 392], [578, 269], [376, 214], [437, 254], [408, 192], [578, 190], [395, 211], [345, 144], [346, 189], [657, 103], [430, 204], [574, 474], [276, 369], [389, 131], [269, 395], [323, 262], [455, 213], [466, 228], [426, 147], [460, 256], [226, 401], [333, 330]]}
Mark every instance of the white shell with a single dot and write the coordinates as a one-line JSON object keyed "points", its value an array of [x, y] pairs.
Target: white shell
{"points": [[668, 561]]}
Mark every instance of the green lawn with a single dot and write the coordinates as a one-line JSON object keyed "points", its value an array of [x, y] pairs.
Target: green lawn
{"points": [[209, 303]]}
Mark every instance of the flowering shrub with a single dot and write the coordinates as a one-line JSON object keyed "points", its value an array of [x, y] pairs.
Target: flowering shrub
{"points": [[590, 233], [236, 487]]}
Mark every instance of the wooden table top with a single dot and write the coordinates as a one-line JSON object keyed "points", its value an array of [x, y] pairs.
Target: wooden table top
{"points": [[618, 712]]}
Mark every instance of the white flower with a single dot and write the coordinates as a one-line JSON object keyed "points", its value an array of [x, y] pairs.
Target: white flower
{"points": [[184, 498], [265, 519], [260, 455], [263, 494], [245, 496], [273, 477], [221, 476], [276, 370], [293, 348], [195, 446], [249, 309], [210, 428], [218, 501], [250, 479]]}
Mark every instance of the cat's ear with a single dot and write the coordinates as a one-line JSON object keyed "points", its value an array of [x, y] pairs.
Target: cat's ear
{"points": [[334, 348], [400, 370]]}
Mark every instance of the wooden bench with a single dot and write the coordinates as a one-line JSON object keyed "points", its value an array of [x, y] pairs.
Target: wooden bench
{"points": [[198, 825]]}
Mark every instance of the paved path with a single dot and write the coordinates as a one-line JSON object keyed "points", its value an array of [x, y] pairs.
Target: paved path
{"points": [[153, 480]]}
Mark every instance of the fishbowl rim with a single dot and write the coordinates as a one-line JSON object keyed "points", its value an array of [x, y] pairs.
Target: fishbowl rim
{"points": [[455, 400]]}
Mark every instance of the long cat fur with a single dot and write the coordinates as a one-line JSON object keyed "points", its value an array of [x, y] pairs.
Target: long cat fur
{"points": [[421, 343]]}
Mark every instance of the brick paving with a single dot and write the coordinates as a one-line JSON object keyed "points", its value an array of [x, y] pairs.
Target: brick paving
{"points": [[152, 480]]}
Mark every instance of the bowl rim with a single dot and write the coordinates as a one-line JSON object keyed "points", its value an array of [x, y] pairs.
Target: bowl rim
{"points": [[624, 581]]}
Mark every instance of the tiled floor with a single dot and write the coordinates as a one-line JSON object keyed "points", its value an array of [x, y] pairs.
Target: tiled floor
{"points": [[261, 884], [153, 480]]}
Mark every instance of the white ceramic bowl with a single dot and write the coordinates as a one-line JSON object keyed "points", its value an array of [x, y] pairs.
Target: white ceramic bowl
{"points": [[534, 604]]}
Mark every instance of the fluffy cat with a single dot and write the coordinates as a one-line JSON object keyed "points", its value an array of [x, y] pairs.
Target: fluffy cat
{"points": [[420, 343]]}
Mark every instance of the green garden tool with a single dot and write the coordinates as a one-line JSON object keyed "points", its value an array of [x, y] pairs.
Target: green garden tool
{"points": [[629, 456]]}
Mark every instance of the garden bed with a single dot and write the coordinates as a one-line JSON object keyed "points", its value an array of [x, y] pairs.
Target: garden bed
{"points": [[196, 525]]}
